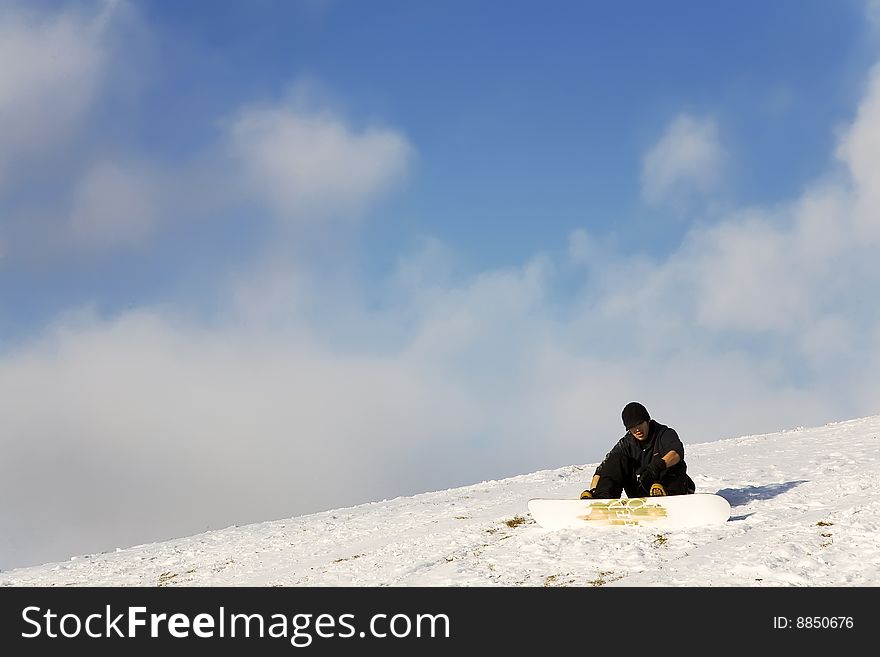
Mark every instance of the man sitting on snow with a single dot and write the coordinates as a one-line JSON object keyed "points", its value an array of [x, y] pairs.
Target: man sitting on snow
{"points": [[647, 461]]}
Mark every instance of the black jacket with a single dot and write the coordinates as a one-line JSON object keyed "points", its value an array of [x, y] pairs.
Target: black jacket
{"points": [[661, 440]]}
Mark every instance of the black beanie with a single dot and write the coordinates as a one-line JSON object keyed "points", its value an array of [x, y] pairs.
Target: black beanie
{"points": [[634, 413]]}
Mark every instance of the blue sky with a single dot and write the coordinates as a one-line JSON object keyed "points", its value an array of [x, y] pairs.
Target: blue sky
{"points": [[528, 122], [373, 249]]}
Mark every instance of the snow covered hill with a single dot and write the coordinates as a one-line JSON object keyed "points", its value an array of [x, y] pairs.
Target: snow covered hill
{"points": [[806, 512]]}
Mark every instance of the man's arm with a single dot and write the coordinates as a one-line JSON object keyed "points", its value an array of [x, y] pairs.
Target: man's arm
{"points": [[670, 444], [653, 470], [671, 458], [589, 492]]}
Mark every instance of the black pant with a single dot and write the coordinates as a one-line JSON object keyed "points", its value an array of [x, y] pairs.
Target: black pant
{"points": [[618, 473]]}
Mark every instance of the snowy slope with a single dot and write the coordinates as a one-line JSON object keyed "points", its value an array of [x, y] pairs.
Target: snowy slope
{"points": [[806, 512]]}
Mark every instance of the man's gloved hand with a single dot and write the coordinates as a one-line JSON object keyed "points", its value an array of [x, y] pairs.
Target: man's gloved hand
{"points": [[648, 474], [588, 494]]}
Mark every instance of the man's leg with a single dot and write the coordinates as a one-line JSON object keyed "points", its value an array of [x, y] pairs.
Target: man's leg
{"points": [[679, 485], [615, 474], [635, 489]]}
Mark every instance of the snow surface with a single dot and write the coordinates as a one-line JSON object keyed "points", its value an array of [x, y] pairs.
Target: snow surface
{"points": [[805, 512]]}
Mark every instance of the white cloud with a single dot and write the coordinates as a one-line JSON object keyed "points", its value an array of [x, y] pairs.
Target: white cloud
{"points": [[309, 166], [143, 427], [53, 66], [781, 269], [297, 157], [582, 248], [873, 12], [58, 66], [825, 340], [148, 426], [859, 149], [688, 157], [113, 206], [745, 280]]}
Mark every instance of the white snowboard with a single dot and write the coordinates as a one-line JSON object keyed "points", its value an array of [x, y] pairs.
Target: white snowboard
{"points": [[670, 512]]}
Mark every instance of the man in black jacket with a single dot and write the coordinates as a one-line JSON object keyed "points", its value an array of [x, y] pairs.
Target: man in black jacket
{"points": [[647, 461]]}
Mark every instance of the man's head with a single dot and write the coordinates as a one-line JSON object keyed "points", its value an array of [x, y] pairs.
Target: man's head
{"points": [[636, 420]]}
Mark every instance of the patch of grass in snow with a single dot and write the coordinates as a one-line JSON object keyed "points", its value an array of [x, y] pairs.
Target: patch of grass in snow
{"points": [[553, 580], [603, 578], [222, 566], [355, 556], [515, 521], [166, 577]]}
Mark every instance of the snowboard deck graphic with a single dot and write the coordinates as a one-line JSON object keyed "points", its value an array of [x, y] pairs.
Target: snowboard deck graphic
{"points": [[670, 512]]}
